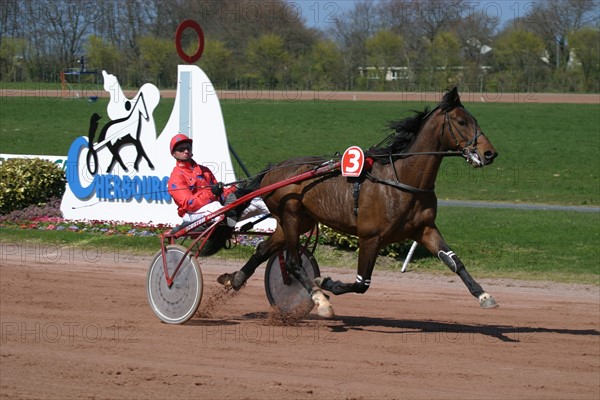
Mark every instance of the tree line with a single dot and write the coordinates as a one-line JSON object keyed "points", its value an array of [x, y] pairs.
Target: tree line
{"points": [[396, 45]]}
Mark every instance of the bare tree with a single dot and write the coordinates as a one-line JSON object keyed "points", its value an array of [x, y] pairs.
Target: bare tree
{"points": [[553, 20], [8, 27], [68, 23], [351, 31]]}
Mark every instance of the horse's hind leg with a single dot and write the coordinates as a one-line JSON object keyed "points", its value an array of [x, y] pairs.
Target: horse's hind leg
{"points": [[262, 253], [433, 241], [140, 149], [367, 255], [141, 153]]}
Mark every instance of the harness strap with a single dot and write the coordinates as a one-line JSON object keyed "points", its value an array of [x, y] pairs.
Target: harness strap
{"points": [[356, 193], [398, 185]]}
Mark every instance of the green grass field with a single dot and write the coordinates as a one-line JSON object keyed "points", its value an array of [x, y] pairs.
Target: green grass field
{"points": [[549, 153]]}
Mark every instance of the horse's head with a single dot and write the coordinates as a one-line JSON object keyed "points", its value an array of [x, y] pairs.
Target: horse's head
{"points": [[117, 106], [460, 131]]}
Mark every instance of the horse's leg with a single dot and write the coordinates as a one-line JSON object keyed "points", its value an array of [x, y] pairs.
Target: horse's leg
{"points": [[141, 154], [262, 253], [367, 255], [433, 241], [114, 149], [112, 164], [293, 264], [140, 149]]}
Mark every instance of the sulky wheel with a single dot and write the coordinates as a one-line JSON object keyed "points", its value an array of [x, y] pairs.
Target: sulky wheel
{"points": [[178, 303], [284, 291]]}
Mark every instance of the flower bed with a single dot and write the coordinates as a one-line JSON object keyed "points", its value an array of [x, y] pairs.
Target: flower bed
{"points": [[94, 226], [49, 218]]}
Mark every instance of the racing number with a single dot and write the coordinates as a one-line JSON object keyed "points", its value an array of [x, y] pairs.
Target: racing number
{"points": [[353, 161]]}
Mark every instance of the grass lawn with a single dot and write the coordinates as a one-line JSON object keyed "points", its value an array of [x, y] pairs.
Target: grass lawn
{"points": [[549, 153]]}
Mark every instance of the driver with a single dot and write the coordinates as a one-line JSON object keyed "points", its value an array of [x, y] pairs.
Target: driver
{"points": [[196, 191]]}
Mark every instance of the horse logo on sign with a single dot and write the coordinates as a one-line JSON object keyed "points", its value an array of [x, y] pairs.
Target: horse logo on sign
{"points": [[126, 127]]}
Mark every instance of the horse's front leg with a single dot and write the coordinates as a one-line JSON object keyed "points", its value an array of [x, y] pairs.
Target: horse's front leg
{"points": [[114, 149], [367, 255], [293, 264], [433, 241]]}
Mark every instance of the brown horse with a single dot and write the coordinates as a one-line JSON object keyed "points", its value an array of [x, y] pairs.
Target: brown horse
{"points": [[393, 201]]}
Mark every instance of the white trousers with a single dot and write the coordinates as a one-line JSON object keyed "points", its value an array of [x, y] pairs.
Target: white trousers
{"points": [[256, 207]]}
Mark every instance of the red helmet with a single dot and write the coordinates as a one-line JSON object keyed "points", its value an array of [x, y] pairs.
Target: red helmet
{"points": [[179, 138]]}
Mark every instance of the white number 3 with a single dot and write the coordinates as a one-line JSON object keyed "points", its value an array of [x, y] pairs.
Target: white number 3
{"points": [[353, 161]]}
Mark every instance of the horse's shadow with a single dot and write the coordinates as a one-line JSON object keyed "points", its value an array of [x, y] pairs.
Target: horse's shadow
{"points": [[450, 332], [411, 330], [434, 331]]}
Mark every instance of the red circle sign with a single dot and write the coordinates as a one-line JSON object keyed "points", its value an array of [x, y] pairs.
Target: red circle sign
{"points": [[353, 161], [196, 27]]}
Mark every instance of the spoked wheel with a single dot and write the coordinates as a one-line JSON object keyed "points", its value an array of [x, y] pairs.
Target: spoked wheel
{"points": [[178, 303], [283, 290]]}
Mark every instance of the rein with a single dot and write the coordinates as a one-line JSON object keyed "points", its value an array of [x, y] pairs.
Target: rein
{"points": [[397, 184], [464, 152]]}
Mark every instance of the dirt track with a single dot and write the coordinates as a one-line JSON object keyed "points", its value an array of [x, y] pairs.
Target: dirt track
{"points": [[308, 95], [76, 324]]}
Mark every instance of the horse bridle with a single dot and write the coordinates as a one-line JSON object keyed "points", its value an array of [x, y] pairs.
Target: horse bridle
{"points": [[470, 154]]}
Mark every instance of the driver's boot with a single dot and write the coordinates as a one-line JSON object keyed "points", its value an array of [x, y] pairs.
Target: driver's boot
{"points": [[231, 216]]}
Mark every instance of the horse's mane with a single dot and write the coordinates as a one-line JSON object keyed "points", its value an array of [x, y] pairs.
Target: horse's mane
{"points": [[405, 131], [402, 136]]}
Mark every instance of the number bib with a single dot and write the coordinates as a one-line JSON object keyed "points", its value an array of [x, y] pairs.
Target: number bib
{"points": [[353, 161]]}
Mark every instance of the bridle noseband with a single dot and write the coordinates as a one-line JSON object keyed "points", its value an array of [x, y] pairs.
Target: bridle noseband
{"points": [[470, 154]]}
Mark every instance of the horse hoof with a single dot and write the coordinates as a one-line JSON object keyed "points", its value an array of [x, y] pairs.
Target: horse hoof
{"points": [[325, 311], [487, 301], [233, 281], [322, 282], [239, 280], [225, 280]]}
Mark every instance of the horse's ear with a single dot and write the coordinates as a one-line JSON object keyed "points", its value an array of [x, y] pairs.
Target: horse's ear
{"points": [[451, 98], [454, 96]]}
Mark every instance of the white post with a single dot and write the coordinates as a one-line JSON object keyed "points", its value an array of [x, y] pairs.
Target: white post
{"points": [[409, 256]]}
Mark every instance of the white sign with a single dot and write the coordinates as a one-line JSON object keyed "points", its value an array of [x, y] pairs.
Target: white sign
{"points": [[119, 171]]}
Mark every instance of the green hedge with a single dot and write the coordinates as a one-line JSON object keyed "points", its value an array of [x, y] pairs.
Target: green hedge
{"points": [[341, 240], [25, 182]]}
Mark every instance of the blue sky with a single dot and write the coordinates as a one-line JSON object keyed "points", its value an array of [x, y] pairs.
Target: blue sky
{"points": [[320, 13]]}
